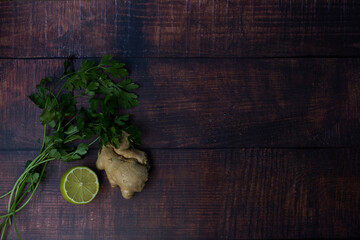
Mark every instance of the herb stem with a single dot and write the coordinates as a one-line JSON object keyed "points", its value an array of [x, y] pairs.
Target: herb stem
{"points": [[43, 141], [4, 228], [33, 191], [5, 194], [72, 119], [16, 229], [94, 141], [24, 175]]}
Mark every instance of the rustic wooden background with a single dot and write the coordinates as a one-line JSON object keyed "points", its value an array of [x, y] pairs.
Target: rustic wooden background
{"points": [[250, 112]]}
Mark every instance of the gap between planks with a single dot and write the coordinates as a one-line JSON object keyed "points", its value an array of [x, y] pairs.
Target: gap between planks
{"points": [[182, 58], [200, 149]]}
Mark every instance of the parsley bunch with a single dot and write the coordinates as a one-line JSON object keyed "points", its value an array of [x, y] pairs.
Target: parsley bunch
{"points": [[78, 109]]}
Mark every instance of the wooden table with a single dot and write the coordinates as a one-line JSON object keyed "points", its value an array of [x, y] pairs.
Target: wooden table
{"points": [[250, 113]]}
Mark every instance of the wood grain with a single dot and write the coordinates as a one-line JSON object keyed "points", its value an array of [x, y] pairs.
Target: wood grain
{"points": [[205, 194], [249, 110], [186, 28], [207, 103]]}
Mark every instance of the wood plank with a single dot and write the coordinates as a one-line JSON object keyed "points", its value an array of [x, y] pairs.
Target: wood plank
{"points": [[204, 194], [186, 28], [212, 103]]}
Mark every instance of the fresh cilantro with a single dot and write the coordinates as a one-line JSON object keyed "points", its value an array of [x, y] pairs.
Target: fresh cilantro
{"points": [[70, 123]]}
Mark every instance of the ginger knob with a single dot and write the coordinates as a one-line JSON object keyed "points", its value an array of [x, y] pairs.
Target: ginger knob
{"points": [[125, 167]]}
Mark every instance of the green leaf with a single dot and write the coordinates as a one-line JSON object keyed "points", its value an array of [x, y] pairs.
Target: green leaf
{"points": [[45, 80], [72, 157], [115, 141], [82, 149], [73, 138], [116, 72], [104, 138], [52, 124], [33, 178], [135, 134], [127, 100], [27, 163], [89, 93], [38, 100], [120, 120], [47, 116], [113, 130], [67, 105], [85, 65], [128, 85], [67, 64], [47, 139], [71, 130], [93, 103], [54, 153], [75, 157], [93, 86], [106, 60]]}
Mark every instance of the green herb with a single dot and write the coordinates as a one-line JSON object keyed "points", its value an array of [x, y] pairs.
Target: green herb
{"points": [[78, 109]]}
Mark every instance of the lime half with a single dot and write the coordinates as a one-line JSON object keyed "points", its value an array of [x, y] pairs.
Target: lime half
{"points": [[79, 185]]}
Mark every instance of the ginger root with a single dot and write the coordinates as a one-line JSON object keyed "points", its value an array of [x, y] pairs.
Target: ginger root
{"points": [[125, 167]]}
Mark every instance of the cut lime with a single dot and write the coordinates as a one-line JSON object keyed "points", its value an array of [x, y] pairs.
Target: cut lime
{"points": [[79, 185]]}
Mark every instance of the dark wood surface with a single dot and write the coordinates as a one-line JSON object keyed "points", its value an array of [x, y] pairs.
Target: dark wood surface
{"points": [[250, 112], [212, 103], [183, 28], [206, 194]]}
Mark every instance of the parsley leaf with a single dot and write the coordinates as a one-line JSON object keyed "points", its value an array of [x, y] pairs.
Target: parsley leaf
{"points": [[97, 83]]}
